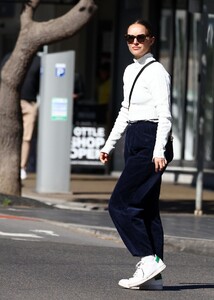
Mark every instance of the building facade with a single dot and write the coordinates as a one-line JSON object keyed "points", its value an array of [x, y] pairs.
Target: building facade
{"points": [[184, 32]]}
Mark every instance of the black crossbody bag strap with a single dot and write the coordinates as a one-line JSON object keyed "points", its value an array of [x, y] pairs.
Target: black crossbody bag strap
{"points": [[141, 70]]}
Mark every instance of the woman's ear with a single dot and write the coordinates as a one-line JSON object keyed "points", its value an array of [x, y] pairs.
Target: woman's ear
{"points": [[152, 40]]}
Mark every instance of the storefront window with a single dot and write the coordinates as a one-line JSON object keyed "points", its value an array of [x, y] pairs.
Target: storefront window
{"points": [[180, 51], [179, 76], [192, 86], [181, 43], [178, 69], [165, 38], [209, 92]]}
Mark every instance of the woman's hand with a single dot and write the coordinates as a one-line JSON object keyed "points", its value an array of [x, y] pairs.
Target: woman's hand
{"points": [[104, 157], [160, 163]]}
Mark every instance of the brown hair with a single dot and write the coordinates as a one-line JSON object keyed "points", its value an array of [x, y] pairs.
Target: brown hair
{"points": [[146, 24]]}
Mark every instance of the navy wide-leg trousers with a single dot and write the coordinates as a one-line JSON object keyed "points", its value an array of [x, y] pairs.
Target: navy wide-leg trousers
{"points": [[134, 204]]}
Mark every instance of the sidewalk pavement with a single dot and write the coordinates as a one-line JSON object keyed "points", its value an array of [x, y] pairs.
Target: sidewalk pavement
{"points": [[93, 192], [183, 230]]}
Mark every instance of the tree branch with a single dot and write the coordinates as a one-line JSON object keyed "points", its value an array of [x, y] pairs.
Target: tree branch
{"points": [[35, 34], [28, 11], [66, 25]]}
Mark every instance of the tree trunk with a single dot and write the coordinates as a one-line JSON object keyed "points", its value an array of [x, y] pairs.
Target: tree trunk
{"points": [[32, 35]]}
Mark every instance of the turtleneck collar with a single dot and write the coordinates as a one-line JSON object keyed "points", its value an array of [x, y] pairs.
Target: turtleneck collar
{"points": [[143, 59]]}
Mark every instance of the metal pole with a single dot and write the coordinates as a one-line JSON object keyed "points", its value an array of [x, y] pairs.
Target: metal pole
{"points": [[199, 191]]}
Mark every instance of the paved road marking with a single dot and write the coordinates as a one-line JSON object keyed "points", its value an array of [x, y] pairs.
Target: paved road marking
{"points": [[18, 218], [23, 235], [47, 232]]}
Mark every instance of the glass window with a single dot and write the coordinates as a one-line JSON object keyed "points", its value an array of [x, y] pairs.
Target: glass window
{"points": [[179, 77], [209, 92], [165, 38], [167, 54], [180, 53], [192, 87]]}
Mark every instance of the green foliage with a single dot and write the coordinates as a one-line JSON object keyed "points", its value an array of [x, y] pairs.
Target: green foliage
{"points": [[6, 202]]}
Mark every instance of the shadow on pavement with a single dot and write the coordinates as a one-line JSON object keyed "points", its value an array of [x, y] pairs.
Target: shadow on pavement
{"points": [[191, 286], [185, 206]]}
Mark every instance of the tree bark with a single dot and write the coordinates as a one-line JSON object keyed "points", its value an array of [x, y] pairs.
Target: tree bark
{"points": [[31, 37]]}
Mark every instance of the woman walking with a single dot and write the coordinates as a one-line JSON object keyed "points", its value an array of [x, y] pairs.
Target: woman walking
{"points": [[145, 116]]}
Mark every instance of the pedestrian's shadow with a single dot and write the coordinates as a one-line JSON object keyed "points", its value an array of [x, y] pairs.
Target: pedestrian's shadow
{"points": [[190, 286]]}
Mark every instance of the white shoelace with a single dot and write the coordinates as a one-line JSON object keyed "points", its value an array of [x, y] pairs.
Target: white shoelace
{"points": [[139, 269]]}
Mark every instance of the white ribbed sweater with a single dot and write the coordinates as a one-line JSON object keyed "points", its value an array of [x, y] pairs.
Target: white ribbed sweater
{"points": [[150, 101]]}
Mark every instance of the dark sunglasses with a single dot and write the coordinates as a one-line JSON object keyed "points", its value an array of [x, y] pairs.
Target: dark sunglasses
{"points": [[140, 38]]}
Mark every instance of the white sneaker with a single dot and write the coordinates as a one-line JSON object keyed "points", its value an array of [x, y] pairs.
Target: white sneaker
{"points": [[23, 174], [154, 284], [147, 268]]}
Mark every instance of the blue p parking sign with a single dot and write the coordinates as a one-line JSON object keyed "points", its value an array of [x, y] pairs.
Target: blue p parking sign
{"points": [[60, 70]]}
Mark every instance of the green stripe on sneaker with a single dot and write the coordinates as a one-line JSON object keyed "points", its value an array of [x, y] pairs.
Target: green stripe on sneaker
{"points": [[157, 259]]}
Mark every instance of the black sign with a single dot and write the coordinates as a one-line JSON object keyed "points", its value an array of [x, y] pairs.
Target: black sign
{"points": [[86, 144]]}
